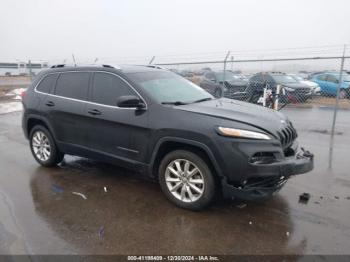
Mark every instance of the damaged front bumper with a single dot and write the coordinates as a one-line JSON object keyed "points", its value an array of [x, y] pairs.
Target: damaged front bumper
{"points": [[269, 178]]}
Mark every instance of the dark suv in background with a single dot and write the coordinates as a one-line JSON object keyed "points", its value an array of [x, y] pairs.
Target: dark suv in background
{"points": [[294, 90], [158, 123], [233, 87]]}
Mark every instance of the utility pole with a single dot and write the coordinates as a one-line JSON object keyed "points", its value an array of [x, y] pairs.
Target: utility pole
{"points": [[30, 68], [75, 64], [232, 63], [152, 59], [224, 74], [336, 109]]}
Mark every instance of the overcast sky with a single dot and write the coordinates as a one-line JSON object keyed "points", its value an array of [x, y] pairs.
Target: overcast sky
{"points": [[53, 30]]}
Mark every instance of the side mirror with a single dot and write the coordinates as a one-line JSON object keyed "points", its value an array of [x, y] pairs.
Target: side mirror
{"points": [[130, 102]]}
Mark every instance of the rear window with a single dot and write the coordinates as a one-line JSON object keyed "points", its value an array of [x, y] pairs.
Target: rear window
{"points": [[73, 85], [46, 84]]}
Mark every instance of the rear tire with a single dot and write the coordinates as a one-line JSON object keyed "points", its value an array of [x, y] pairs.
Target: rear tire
{"points": [[43, 147], [186, 180]]}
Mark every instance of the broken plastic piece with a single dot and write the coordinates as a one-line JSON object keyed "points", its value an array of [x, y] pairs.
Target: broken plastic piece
{"points": [[56, 189], [243, 205], [105, 189], [287, 233], [250, 223], [304, 198], [101, 231], [80, 194]]}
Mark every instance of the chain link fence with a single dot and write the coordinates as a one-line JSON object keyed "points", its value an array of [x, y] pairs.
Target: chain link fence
{"points": [[313, 91], [290, 80]]}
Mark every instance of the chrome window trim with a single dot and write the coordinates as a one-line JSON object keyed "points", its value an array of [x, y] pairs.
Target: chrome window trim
{"points": [[89, 102]]}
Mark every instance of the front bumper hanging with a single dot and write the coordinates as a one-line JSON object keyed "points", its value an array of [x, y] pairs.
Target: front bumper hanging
{"points": [[269, 178]]}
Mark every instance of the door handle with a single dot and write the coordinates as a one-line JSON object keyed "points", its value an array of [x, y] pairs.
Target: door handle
{"points": [[94, 112], [50, 103]]}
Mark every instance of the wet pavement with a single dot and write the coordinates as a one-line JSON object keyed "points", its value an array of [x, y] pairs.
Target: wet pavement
{"points": [[40, 215]]}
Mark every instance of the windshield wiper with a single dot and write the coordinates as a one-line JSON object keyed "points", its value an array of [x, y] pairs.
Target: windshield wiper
{"points": [[202, 100], [176, 103]]}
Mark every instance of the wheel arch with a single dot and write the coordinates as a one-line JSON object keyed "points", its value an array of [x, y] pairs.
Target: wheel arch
{"points": [[37, 120], [169, 144]]}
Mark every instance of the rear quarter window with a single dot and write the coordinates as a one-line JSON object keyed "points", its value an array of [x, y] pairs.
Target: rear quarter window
{"points": [[47, 83], [73, 85]]}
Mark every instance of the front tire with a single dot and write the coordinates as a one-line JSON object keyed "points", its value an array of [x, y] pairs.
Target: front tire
{"points": [[43, 147], [186, 180]]}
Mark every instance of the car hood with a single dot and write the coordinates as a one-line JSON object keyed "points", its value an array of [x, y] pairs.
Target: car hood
{"points": [[237, 82], [309, 83], [260, 117], [296, 85]]}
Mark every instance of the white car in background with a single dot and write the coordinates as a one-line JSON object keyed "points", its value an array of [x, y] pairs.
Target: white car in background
{"points": [[316, 89]]}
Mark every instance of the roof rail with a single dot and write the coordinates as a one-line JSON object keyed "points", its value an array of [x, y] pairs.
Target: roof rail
{"points": [[56, 66], [66, 65]]}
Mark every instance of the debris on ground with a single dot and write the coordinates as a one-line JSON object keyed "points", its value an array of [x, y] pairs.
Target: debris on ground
{"points": [[348, 198], [80, 194], [304, 198], [336, 197], [105, 189], [240, 206], [287, 233], [56, 189], [250, 223], [317, 203], [101, 231]]}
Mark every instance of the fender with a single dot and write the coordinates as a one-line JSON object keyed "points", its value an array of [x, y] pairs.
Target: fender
{"points": [[188, 142], [41, 118]]}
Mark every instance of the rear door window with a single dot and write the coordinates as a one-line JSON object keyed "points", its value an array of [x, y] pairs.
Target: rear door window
{"points": [[47, 83], [73, 85], [108, 87], [322, 77], [332, 79]]}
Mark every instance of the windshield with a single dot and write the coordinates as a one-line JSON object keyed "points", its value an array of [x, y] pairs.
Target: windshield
{"points": [[229, 76], [167, 87], [346, 78], [284, 79], [298, 78]]}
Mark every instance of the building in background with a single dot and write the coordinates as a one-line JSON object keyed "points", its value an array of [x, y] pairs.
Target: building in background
{"points": [[21, 68]]}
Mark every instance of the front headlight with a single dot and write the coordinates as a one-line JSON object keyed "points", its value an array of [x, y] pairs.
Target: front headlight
{"points": [[233, 132], [289, 89]]}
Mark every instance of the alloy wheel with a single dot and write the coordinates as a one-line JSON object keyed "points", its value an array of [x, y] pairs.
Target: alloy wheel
{"points": [[41, 146], [184, 180]]}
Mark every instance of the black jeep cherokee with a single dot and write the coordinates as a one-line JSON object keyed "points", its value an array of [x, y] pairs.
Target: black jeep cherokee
{"points": [[154, 121]]}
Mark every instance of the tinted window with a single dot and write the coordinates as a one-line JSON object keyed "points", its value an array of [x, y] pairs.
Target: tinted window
{"points": [[73, 85], [332, 79], [284, 79], [322, 77], [107, 88], [210, 76], [256, 78], [46, 84]]}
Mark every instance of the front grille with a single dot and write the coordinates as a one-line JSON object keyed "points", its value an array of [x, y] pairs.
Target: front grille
{"points": [[287, 135], [303, 90]]}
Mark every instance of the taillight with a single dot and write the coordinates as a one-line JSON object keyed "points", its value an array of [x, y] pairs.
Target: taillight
{"points": [[23, 93]]}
